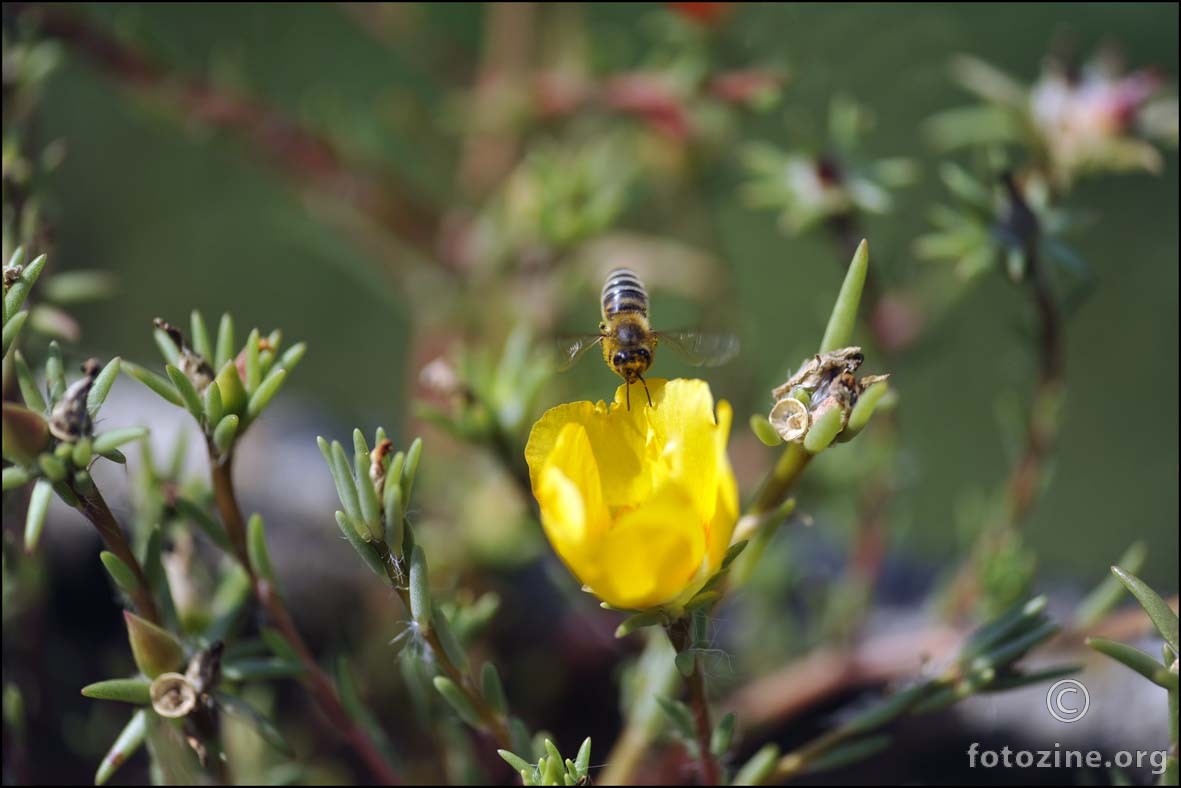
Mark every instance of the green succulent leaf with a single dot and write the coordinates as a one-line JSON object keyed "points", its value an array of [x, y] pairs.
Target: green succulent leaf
{"points": [[420, 595], [225, 342], [363, 548], [128, 741], [493, 689], [458, 701], [137, 691], [30, 391], [233, 394], [758, 768], [12, 329], [1137, 660], [239, 708], [850, 753], [1163, 617], [156, 383], [256, 545], [225, 433], [265, 392], [1108, 593], [763, 430], [214, 409], [253, 366], [120, 572], [18, 291], [841, 322], [208, 525], [16, 476], [188, 392], [116, 438], [37, 512], [451, 648], [824, 431], [155, 650], [199, 334]]}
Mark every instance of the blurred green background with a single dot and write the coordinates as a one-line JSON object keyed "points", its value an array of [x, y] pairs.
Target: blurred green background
{"points": [[188, 218]]}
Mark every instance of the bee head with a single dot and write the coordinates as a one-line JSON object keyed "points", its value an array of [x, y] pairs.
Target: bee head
{"points": [[632, 363]]}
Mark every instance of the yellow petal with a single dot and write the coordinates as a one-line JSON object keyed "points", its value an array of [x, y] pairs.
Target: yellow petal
{"points": [[683, 425], [725, 515], [618, 440], [570, 497], [651, 554], [640, 504]]}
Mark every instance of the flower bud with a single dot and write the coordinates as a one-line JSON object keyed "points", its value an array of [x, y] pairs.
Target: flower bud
{"points": [[155, 650], [25, 434]]}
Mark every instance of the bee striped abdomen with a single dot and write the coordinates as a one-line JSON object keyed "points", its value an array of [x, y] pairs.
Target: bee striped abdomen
{"points": [[624, 292]]}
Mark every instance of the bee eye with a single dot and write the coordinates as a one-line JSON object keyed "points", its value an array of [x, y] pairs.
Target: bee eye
{"points": [[620, 358], [644, 353]]}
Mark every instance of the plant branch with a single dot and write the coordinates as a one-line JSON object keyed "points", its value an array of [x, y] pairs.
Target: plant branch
{"points": [[826, 672], [680, 637], [319, 685], [494, 723], [310, 159], [1042, 428], [492, 146], [513, 461], [1025, 481], [815, 678], [92, 505]]}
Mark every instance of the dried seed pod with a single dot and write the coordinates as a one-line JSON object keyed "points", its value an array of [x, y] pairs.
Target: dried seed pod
{"points": [[821, 369], [790, 418], [823, 384], [377, 463], [70, 420], [192, 364], [173, 695], [204, 671]]}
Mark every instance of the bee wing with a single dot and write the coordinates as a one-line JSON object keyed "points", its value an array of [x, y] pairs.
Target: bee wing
{"points": [[702, 349], [570, 349]]}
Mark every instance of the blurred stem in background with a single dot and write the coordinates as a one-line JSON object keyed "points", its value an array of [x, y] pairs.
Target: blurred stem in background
{"points": [[999, 538], [310, 160]]}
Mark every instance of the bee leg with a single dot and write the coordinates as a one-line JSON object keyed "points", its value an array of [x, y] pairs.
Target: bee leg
{"points": [[629, 395], [646, 392]]}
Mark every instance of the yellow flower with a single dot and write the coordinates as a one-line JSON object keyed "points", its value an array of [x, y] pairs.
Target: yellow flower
{"points": [[640, 504]]}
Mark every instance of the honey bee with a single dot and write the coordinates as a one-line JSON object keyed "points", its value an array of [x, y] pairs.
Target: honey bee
{"points": [[628, 341]]}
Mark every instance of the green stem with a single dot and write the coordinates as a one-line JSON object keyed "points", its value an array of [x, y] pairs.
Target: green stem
{"points": [[513, 461], [679, 636], [495, 724], [222, 474], [1042, 424], [1170, 774], [314, 678], [778, 484], [1042, 430], [656, 677], [92, 505], [805, 758]]}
